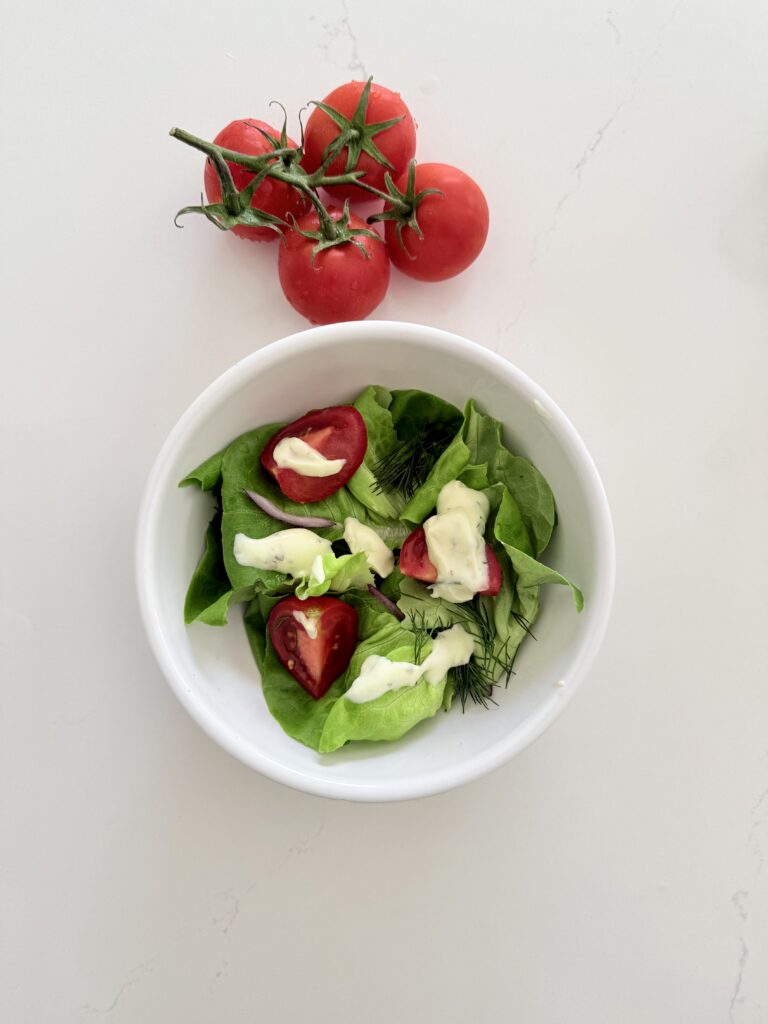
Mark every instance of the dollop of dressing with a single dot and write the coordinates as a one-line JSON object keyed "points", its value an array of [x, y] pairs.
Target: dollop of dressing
{"points": [[293, 453], [456, 543], [360, 537], [308, 622], [379, 675], [293, 552], [451, 648]]}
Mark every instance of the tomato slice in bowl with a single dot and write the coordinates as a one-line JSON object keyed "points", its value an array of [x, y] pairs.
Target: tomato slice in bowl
{"points": [[337, 432], [414, 557], [414, 562], [316, 644]]}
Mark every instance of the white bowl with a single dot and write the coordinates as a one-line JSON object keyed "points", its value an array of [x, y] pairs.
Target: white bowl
{"points": [[211, 670]]}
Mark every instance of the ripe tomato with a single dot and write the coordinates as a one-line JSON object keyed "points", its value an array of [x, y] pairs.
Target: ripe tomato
{"points": [[314, 662], [414, 562], [337, 433], [395, 144], [272, 196], [454, 225], [414, 557], [341, 282]]}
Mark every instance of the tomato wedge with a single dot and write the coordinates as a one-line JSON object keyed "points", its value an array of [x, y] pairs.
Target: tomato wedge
{"points": [[314, 662], [414, 562], [337, 433]]}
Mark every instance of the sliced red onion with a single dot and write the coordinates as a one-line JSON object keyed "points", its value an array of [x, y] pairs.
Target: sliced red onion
{"points": [[285, 517], [389, 605]]}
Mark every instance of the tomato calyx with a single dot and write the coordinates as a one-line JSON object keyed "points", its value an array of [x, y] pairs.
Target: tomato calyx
{"points": [[283, 164], [335, 232], [402, 207], [235, 207], [355, 134]]}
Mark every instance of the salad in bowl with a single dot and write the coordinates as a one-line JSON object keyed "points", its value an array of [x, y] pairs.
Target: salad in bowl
{"points": [[388, 557], [390, 373]]}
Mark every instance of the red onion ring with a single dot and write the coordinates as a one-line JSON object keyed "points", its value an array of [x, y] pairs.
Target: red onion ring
{"points": [[389, 605], [285, 517]]}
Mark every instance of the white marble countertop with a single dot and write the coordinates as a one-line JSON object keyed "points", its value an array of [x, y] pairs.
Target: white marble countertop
{"points": [[614, 872]]}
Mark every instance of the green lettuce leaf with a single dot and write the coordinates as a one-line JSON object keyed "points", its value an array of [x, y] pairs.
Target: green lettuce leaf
{"points": [[210, 593], [448, 467], [243, 471], [508, 529], [533, 495], [393, 714], [412, 410], [299, 715], [340, 573], [307, 720], [207, 476], [373, 405]]}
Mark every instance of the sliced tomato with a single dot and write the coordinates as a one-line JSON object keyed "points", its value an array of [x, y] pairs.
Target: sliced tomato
{"points": [[314, 662], [414, 558], [494, 574], [414, 562], [337, 433]]}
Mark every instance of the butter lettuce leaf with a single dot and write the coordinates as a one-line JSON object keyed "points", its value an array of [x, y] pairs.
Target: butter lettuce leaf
{"points": [[243, 471], [533, 495], [393, 714], [210, 593], [340, 573], [529, 573], [310, 721], [299, 715], [207, 476], [373, 405]]}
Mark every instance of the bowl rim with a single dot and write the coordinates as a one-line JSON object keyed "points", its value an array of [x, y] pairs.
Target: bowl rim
{"points": [[435, 781]]}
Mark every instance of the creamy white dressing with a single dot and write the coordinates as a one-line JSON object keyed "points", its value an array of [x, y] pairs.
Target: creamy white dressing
{"points": [[455, 543], [379, 675], [456, 495], [293, 552], [451, 648], [360, 537], [308, 622], [293, 453]]}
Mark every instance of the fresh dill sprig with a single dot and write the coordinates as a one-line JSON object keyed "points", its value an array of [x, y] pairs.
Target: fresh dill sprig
{"points": [[407, 466], [422, 633], [490, 665]]}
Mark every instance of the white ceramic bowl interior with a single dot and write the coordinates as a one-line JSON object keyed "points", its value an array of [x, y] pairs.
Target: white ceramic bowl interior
{"points": [[211, 670]]}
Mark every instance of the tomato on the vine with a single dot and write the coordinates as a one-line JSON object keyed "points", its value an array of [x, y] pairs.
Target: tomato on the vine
{"points": [[373, 128], [337, 432], [453, 225], [330, 280], [318, 655], [272, 196]]}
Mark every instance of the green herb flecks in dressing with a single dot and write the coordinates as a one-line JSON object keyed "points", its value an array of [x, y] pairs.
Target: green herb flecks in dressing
{"points": [[290, 551], [456, 544], [293, 453], [379, 675], [360, 537]]}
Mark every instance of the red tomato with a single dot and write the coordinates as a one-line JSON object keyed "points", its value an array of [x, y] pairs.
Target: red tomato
{"points": [[341, 283], [396, 144], [414, 557], [272, 196], [337, 433], [314, 662], [494, 574], [454, 225], [414, 562]]}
